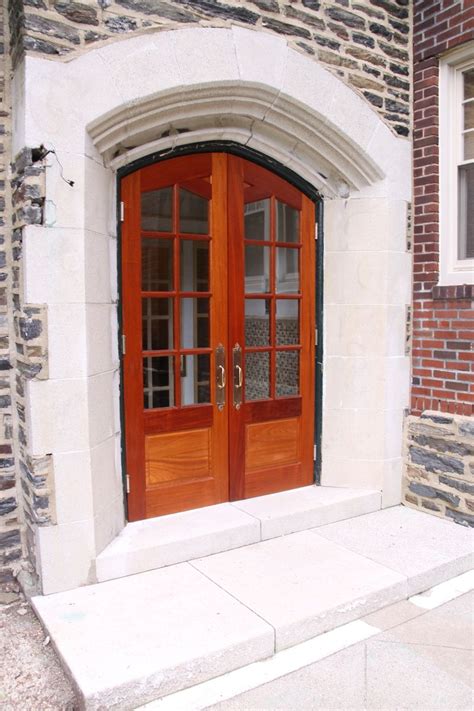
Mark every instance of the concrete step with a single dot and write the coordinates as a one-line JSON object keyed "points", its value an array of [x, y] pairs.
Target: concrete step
{"points": [[128, 641], [167, 540]]}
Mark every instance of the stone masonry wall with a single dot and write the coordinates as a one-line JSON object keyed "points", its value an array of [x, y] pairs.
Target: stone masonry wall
{"points": [[365, 42], [440, 470], [10, 536], [31, 351], [440, 466]]}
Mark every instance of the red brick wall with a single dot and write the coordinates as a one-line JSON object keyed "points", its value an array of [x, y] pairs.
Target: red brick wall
{"points": [[443, 317]]}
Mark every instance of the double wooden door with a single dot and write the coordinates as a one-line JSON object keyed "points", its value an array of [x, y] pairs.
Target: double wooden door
{"points": [[218, 284]]}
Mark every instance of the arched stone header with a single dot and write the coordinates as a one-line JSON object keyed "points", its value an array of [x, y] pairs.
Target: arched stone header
{"points": [[165, 89]]}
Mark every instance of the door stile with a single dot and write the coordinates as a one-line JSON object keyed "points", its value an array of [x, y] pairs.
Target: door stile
{"points": [[236, 321], [132, 373], [219, 319], [308, 326]]}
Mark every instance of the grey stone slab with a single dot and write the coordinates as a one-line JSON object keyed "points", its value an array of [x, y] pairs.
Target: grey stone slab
{"points": [[302, 584], [427, 549], [450, 625], [337, 682], [166, 540], [307, 507], [400, 678], [132, 640]]}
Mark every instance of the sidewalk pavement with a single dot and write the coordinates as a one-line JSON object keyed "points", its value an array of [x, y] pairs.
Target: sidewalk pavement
{"points": [[422, 658]]}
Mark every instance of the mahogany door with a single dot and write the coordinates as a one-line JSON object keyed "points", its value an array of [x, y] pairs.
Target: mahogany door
{"points": [[218, 318]]}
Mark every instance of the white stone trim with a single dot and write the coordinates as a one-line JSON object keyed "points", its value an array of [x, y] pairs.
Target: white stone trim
{"points": [[111, 105]]}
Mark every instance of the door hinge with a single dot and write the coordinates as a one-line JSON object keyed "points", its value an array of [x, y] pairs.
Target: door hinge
{"points": [[127, 483], [124, 344], [315, 336], [122, 211], [314, 452]]}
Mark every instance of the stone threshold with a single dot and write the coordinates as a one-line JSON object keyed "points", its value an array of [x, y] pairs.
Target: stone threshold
{"points": [[177, 538], [128, 641]]}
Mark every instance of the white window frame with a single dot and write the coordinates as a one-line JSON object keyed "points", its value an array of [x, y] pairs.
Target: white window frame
{"points": [[452, 269]]}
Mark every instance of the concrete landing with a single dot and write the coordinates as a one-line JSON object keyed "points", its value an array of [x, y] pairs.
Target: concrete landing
{"points": [[166, 540], [128, 641]]}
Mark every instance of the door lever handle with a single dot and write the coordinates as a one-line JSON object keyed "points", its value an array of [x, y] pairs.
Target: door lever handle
{"points": [[220, 377], [238, 376], [221, 373]]}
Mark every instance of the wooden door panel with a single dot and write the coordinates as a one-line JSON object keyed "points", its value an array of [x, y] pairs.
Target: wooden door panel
{"points": [[272, 443], [178, 455]]}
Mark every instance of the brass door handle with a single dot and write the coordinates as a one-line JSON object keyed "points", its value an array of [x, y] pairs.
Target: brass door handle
{"points": [[238, 377], [239, 374], [221, 372], [220, 377]]}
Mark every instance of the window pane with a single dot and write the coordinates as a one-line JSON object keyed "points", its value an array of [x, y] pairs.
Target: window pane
{"points": [[469, 115], [287, 373], [257, 322], [469, 145], [194, 323], [287, 223], [257, 376], [157, 324], [257, 220], [157, 264], [466, 212], [469, 84], [193, 213], [158, 382], [257, 269], [194, 265], [287, 322], [157, 210], [287, 271], [195, 383]]}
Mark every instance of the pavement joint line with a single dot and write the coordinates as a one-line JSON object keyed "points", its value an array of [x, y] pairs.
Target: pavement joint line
{"points": [[251, 676], [444, 592], [234, 683], [214, 582]]}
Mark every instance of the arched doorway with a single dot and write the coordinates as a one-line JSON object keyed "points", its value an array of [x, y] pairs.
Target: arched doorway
{"points": [[218, 287]]}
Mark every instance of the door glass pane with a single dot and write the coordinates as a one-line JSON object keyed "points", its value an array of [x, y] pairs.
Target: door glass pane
{"points": [[158, 382], [257, 376], [287, 373], [157, 324], [287, 271], [157, 210], [157, 264], [287, 223], [257, 269], [469, 145], [195, 380], [466, 212], [194, 323], [469, 84], [287, 322], [257, 220], [257, 322], [193, 213], [194, 265]]}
